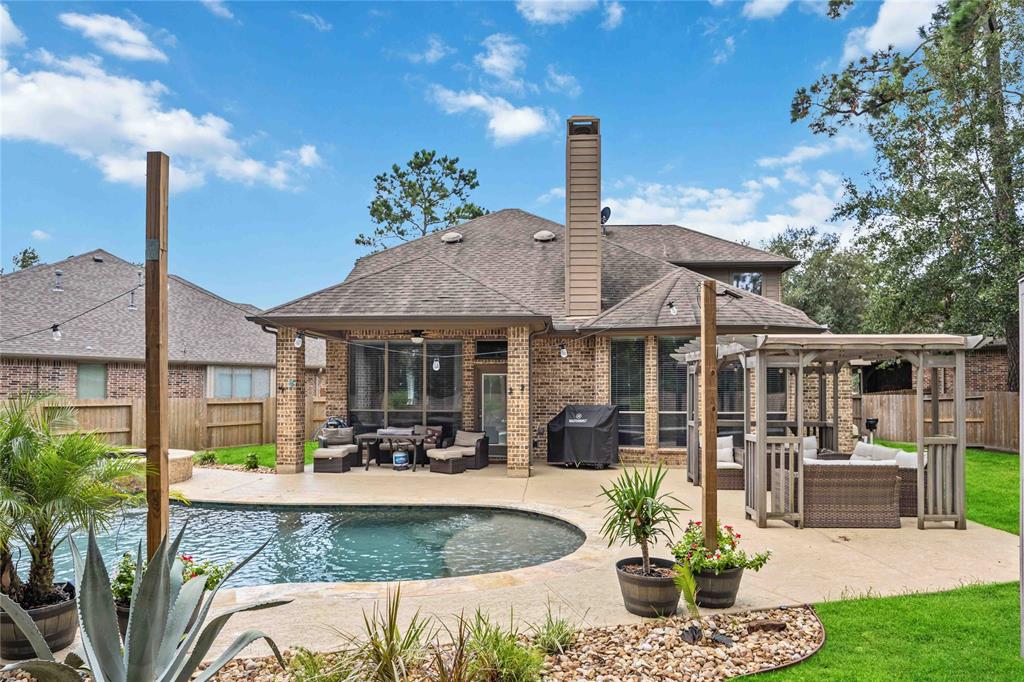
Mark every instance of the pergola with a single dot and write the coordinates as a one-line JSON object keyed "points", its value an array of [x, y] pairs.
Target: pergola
{"points": [[772, 456]]}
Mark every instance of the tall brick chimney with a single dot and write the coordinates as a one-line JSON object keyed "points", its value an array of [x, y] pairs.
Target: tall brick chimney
{"points": [[583, 216]]}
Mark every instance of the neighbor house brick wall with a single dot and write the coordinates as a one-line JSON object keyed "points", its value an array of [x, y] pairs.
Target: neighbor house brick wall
{"points": [[20, 375], [987, 370], [519, 426], [314, 383], [128, 380], [291, 403], [336, 379], [558, 382]]}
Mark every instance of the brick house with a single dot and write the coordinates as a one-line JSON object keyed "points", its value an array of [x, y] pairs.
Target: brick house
{"points": [[214, 351], [497, 324]]}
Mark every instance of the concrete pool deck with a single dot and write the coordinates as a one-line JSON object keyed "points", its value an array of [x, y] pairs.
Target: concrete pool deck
{"points": [[809, 565]]}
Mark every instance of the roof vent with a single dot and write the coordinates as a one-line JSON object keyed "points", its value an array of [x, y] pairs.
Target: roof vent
{"points": [[544, 236], [451, 237], [58, 284], [97, 258]]}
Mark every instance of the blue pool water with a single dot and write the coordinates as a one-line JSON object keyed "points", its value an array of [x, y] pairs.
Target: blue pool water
{"points": [[349, 543]]}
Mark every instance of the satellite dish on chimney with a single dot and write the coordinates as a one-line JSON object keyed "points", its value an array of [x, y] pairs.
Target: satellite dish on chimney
{"points": [[606, 213]]}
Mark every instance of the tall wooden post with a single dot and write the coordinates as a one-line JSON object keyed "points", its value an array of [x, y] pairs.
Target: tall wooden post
{"points": [[157, 171], [709, 410]]}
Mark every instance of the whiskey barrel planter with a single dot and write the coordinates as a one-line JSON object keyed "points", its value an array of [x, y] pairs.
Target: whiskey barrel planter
{"points": [[648, 595], [718, 591], [58, 623]]}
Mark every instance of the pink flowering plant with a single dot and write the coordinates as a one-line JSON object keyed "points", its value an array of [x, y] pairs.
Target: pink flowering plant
{"points": [[690, 551]]}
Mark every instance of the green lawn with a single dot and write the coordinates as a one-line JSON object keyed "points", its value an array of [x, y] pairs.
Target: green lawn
{"points": [[267, 454], [993, 487], [969, 633]]}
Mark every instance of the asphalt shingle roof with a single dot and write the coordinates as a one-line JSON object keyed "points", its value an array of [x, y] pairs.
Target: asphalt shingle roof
{"points": [[498, 269], [203, 328], [683, 246]]}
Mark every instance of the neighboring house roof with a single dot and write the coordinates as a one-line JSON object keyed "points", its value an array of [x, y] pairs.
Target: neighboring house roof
{"points": [[683, 246], [498, 270], [203, 328]]}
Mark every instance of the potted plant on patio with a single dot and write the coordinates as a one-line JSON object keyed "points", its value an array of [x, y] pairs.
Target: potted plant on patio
{"points": [[638, 513], [123, 582], [717, 573], [53, 483]]}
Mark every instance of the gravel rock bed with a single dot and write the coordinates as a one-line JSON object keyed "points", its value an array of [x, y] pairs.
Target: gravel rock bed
{"points": [[237, 467]]}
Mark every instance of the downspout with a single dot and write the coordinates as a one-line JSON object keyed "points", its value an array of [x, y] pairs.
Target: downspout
{"points": [[529, 370]]}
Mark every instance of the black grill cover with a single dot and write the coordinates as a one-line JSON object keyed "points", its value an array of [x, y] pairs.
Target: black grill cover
{"points": [[584, 434]]}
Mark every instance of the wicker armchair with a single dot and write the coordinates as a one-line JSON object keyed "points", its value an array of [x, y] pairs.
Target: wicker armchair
{"points": [[845, 495]]}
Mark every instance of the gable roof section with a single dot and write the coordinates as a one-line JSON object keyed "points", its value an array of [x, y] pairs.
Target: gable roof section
{"points": [[203, 328], [649, 308], [683, 246]]}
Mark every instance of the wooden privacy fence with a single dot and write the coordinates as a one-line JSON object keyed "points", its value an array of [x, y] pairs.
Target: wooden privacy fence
{"points": [[195, 423], [992, 417]]}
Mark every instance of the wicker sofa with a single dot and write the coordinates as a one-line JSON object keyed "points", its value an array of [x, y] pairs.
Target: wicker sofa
{"points": [[337, 452], [466, 450], [844, 494]]}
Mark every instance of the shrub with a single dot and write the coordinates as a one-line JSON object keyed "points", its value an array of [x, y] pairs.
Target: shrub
{"points": [[124, 574], [555, 635], [206, 457], [691, 553], [389, 654], [313, 666], [252, 461], [499, 655], [452, 663]]}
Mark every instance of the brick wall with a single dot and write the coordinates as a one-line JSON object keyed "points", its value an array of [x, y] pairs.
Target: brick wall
{"points": [[519, 426], [291, 403], [128, 380], [336, 378], [559, 381], [19, 375], [986, 370]]}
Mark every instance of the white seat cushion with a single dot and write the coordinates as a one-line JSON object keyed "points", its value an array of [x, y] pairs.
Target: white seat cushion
{"points": [[445, 453], [724, 456], [906, 460], [724, 447], [336, 451], [847, 463], [729, 465], [810, 447], [865, 451], [467, 438]]}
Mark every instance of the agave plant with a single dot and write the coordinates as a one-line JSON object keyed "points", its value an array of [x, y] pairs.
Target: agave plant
{"points": [[161, 644]]}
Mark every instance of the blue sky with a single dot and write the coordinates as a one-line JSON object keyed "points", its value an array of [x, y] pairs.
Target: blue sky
{"points": [[277, 117]]}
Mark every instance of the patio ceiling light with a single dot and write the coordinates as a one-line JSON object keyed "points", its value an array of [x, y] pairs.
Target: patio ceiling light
{"points": [[417, 336]]}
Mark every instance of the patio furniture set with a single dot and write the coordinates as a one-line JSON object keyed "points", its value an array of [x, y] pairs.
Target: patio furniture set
{"points": [[341, 449]]}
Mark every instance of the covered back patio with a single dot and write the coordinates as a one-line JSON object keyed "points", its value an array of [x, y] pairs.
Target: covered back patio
{"points": [[792, 466]]}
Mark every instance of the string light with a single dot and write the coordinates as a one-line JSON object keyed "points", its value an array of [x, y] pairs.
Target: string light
{"points": [[436, 366], [562, 350], [131, 300], [417, 336], [55, 330], [298, 340], [672, 310]]}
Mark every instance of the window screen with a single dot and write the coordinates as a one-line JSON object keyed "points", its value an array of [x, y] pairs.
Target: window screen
{"points": [[405, 376], [366, 376], [671, 393], [444, 376], [627, 384], [92, 381]]}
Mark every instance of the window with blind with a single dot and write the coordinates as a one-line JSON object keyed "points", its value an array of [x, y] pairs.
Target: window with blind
{"points": [[399, 383], [748, 281], [671, 393], [92, 381], [240, 382], [627, 388]]}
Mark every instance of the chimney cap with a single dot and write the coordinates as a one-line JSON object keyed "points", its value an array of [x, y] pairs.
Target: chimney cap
{"points": [[583, 125]]}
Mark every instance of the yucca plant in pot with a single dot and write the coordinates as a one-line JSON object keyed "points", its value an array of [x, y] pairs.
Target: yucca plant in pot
{"points": [[638, 513], [54, 482]]}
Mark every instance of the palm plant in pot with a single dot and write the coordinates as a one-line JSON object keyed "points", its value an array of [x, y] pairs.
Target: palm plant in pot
{"points": [[54, 483], [638, 513], [717, 572]]}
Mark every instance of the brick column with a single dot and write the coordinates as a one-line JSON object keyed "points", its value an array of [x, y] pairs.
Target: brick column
{"points": [[651, 397], [518, 464], [336, 378], [291, 403], [602, 370], [847, 436]]}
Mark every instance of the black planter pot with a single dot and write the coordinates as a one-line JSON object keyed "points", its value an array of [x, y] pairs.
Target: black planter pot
{"points": [[648, 596], [718, 591], [58, 624]]}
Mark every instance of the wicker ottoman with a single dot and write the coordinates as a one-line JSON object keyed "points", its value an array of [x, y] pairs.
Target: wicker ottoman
{"points": [[336, 460], [446, 462], [908, 491]]}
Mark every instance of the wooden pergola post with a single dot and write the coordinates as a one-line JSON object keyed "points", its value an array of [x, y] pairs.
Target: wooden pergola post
{"points": [[709, 411], [157, 172]]}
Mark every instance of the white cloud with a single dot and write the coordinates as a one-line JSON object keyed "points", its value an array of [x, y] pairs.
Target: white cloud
{"points": [[764, 9], [218, 8], [563, 83], [896, 25], [10, 34], [613, 13], [553, 11], [729, 213], [111, 121], [796, 175], [551, 195], [316, 21], [506, 123], [435, 51], [726, 50], [114, 35], [40, 235], [806, 152], [503, 58], [307, 156]]}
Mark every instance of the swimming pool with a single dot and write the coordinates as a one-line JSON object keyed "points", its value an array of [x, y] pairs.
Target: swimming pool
{"points": [[351, 543]]}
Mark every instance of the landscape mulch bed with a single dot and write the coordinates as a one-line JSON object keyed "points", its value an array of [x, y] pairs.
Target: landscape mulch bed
{"points": [[238, 467], [654, 650]]}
